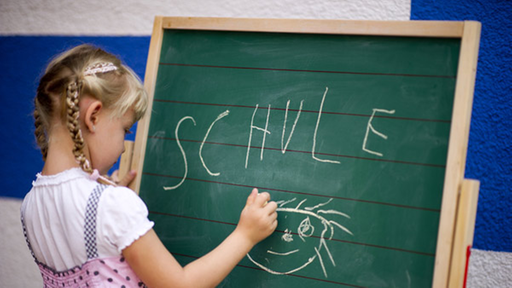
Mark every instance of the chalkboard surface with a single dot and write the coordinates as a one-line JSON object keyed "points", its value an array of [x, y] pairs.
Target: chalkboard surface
{"points": [[349, 133]]}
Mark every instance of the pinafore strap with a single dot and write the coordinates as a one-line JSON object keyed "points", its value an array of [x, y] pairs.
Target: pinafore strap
{"points": [[91, 211]]}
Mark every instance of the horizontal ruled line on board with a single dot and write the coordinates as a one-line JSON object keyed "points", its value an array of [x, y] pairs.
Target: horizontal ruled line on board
{"points": [[313, 236], [296, 192], [304, 111], [289, 275], [306, 152], [309, 71]]}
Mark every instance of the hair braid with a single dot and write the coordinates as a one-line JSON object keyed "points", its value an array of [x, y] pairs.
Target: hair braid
{"points": [[40, 132], [73, 113]]}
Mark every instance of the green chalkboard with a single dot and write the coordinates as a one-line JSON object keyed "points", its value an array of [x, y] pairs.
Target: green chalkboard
{"points": [[349, 133]]}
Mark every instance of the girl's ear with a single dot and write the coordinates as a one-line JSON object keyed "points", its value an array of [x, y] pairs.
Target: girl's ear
{"points": [[92, 115]]}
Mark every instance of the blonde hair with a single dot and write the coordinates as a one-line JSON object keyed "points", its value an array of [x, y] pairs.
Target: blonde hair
{"points": [[65, 80]]}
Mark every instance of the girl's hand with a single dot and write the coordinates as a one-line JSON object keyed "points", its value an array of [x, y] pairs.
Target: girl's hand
{"points": [[127, 179], [259, 217]]}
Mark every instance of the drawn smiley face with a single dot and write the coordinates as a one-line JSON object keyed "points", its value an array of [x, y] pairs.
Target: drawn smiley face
{"points": [[301, 243]]}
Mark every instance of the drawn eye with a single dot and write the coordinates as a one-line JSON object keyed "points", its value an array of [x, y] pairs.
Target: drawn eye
{"points": [[287, 236], [305, 229]]}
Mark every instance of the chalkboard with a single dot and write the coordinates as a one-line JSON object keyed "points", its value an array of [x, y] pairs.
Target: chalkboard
{"points": [[349, 129]]}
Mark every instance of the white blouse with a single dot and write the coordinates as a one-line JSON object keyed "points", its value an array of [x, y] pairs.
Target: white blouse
{"points": [[54, 214]]}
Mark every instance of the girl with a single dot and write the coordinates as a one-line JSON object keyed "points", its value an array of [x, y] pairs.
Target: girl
{"points": [[82, 229]]}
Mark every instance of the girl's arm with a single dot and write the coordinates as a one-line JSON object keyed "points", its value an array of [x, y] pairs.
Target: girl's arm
{"points": [[153, 263]]}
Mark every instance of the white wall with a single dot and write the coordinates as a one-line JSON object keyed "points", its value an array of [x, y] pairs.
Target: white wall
{"points": [[135, 17], [17, 267]]}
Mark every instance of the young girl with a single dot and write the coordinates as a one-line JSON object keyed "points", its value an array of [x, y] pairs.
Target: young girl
{"points": [[82, 229]]}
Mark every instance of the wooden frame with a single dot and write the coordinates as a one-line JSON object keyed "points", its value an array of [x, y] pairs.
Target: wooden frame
{"points": [[463, 239], [458, 209]]}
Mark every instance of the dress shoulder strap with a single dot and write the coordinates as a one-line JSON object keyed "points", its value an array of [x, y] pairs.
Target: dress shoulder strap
{"points": [[91, 212], [26, 237]]}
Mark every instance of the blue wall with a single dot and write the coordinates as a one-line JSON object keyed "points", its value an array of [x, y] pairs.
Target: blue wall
{"points": [[490, 141]]}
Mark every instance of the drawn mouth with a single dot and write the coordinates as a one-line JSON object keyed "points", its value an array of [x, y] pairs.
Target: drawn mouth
{"points": [[282, 253]]}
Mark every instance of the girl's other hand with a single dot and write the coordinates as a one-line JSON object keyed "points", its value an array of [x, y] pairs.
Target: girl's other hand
{"points": [[127, 179], [258, 218]]}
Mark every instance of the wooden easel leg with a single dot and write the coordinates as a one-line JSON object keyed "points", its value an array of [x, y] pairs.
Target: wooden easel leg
{"points": [[464, 229], [126, 159]]}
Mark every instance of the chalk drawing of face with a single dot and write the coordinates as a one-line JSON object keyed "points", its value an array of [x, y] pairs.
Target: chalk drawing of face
{"points": [[299, 246]]}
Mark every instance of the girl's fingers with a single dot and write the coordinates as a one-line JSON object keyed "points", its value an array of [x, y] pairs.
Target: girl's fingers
{"points": [[127, 178], [273, 216], [270, 207], [262, 198], [252, 196]]}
